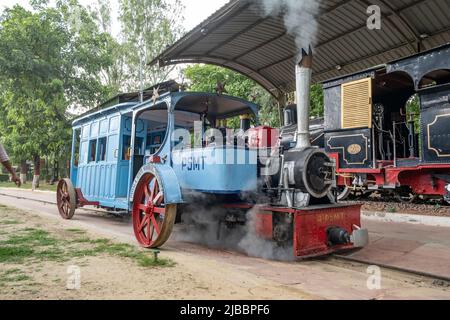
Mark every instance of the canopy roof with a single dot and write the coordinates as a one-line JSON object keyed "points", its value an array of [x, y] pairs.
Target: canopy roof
{"points": [[240, 36]]}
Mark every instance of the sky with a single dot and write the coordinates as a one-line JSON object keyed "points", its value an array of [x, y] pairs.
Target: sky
{"points": [[195, 10]]}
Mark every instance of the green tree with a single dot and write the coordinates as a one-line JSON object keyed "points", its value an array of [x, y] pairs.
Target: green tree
{"points": [[204, 78], [115, 74], [317, 102], [50, 58], [148, 27]]}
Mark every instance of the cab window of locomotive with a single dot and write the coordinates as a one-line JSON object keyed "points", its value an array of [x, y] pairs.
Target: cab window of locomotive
{"points": [[156, 122], [186, 120], [413, 113]]}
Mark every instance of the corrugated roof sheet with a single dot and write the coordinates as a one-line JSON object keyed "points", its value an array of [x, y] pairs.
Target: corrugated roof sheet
{"points": [[240, 36]]}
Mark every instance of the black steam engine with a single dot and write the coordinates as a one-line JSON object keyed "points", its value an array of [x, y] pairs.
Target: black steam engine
{"points": [[388, 128]]}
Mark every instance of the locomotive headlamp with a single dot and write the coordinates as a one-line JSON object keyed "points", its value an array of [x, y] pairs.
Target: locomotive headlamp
{"points": [[448, 187]]}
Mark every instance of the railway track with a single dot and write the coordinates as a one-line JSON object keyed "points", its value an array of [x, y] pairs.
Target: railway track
{"points": [[337, 257]]}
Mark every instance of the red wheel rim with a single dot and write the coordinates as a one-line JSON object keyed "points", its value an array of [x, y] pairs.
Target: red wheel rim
{"points": [[149, 211]]}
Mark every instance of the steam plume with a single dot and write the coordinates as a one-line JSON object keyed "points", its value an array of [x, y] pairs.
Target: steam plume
{"points": [[299, 19], [200, 225]]}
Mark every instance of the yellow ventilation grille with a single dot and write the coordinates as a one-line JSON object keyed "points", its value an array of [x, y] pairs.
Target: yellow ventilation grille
{"points": [[357, 104]]}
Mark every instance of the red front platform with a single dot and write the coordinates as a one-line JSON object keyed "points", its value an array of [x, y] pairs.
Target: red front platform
{"points": [[310, 227]]}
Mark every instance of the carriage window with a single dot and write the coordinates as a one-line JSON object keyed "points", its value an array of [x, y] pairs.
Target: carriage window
{"points": [[126, 148], [102, 149], [92, 150]]}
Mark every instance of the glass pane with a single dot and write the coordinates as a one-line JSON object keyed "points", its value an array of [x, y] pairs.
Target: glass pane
{"points": [[102, 149], [92, 150]]}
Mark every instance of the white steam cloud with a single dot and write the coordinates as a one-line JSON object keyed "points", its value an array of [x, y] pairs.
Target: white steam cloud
{"points": [[300, 19], [201, 225]]}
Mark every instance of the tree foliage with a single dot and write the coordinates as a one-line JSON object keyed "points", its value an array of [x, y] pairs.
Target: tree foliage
{"points": [[50, 59], [58, 60], [148, 27], [205, 78]]}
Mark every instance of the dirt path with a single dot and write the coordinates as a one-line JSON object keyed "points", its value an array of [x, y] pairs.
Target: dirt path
{"points": [[199, 272], [46, 273]]}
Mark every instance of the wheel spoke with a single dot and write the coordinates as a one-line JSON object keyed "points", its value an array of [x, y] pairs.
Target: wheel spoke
{"points": [[158, 199], [142, 207], [147, 191], [154, 189], [149, 236], [145, 220], [159, 210], [66, 208], [156, 227]]}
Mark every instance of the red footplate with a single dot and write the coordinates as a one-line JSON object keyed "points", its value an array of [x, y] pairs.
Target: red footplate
{"points": [[311, 225]]}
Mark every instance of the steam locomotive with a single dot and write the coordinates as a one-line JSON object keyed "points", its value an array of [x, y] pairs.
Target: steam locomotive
{"points": [[138, 157], [379, 142]]}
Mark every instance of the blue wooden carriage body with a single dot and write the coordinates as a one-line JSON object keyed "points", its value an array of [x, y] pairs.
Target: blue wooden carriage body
{"points": [[113, 147]]}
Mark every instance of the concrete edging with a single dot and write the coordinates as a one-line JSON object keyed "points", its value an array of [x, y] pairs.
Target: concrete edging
{"points": [[432, 221]]}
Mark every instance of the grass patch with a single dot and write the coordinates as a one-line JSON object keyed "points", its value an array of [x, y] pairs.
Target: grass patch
{"points": [[9, 222], [122, 250], [31, 237], [31, 245], [147, 262], [76, 231], [15, 254], [13, 276], [28, 186]]}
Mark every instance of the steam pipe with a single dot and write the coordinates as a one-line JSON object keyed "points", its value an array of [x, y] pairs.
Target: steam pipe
{"points": [[303, 76]]}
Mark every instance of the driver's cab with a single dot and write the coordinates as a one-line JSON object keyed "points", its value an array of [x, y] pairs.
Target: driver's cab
{"points": [[201, 136]]}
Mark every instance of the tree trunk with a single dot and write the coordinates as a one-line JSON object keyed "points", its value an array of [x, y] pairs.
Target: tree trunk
{"points": [[37, 172], [23, 171], [47, 171], [55, 171]]}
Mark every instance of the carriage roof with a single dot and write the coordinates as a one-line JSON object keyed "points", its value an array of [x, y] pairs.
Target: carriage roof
{"points": [[219, 106]]}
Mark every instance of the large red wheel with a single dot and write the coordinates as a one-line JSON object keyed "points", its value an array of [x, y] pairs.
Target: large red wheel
{"points": [[66, 199], [153, 220]]}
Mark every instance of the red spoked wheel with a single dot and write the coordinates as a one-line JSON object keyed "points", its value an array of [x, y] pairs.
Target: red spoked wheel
{"points": [[66, 199], [153, 220]]}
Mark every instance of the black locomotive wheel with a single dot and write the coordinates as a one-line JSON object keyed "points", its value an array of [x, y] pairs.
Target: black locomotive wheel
{"points": [[66, 199], [344, 193], [405, 197]]}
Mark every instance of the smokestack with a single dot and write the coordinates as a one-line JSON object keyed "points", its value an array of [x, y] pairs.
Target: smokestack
{"points": [[303, 72]]}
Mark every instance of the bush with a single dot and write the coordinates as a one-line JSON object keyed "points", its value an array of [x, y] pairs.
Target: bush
{"points": [[4, 177]]}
